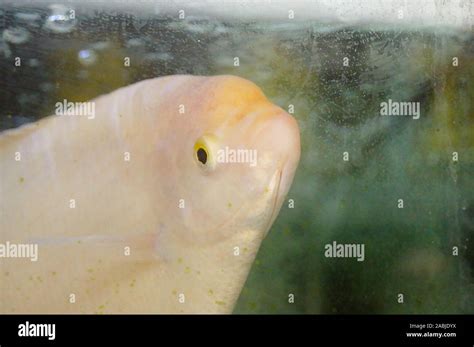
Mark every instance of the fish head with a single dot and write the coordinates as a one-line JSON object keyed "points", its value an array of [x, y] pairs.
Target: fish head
{"points": [[237, 158]]}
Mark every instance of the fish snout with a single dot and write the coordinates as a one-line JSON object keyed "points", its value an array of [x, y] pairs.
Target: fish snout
{"points": [[287, 134], [281, 138]]}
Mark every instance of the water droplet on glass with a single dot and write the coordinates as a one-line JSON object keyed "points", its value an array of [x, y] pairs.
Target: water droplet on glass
{"points": [[27, 17], [33, 62], [134, 42], [164, 56], [61, 20], [46, 87], [100, 45], [16, 35], [87, 57], [5, 48]]}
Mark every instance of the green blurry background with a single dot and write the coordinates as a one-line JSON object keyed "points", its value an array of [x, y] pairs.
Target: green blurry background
{"points": [[409, 250]]}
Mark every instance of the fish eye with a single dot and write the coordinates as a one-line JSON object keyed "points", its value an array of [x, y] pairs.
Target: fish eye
{"points": [[202, 155], [203, 152]]}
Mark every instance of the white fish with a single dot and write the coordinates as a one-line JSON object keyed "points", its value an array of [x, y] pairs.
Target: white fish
{"points": [[130, 209]]}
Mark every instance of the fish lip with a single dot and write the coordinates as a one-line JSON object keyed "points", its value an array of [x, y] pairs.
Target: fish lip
{"points": [[275, 203]]}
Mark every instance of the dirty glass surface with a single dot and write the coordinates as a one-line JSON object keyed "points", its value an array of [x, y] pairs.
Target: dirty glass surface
{"points": [[400, 185]]}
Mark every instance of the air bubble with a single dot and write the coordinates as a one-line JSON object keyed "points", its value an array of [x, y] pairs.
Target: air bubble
{"points": [[16, 35], [87, 57], [61, 20]]}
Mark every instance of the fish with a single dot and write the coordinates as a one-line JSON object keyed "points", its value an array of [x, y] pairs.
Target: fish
{"points": [[134, 209]]}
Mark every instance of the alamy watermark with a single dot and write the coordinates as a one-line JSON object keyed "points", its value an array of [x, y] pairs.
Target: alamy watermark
{"points": [[229, 155], [19, 250], [345, 250], [69, 108], [28, 329], [400, 108]]}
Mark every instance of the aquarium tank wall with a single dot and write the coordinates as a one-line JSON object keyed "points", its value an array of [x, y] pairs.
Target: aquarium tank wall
{"points": [[380, 214]]}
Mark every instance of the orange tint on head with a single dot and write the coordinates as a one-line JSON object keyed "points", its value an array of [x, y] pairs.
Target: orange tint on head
{"points": [[233, 98]]}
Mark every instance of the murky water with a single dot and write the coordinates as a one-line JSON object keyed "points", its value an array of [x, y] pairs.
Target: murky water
{"points": [[400, 185]]}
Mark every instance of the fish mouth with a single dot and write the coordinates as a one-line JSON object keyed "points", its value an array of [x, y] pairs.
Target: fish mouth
{"points": [[275, 201]]}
